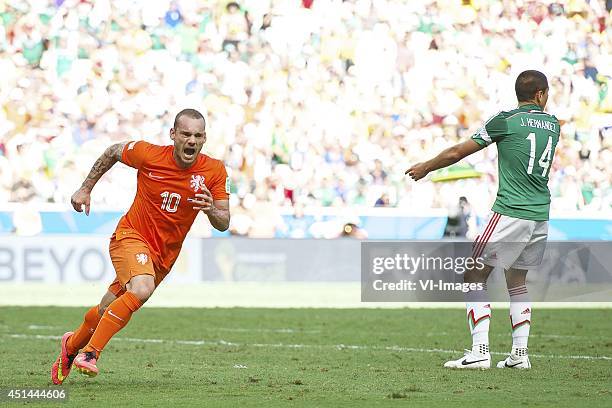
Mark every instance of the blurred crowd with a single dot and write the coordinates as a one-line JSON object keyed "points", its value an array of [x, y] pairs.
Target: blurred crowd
{"points": [[309, 103]]}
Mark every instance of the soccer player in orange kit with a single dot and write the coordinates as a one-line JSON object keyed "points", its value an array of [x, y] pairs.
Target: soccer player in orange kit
{"points": [[174, 184]]}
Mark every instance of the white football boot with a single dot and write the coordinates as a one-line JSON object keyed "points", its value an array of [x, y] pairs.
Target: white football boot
{"points": [[514, 361], [471, 359]]}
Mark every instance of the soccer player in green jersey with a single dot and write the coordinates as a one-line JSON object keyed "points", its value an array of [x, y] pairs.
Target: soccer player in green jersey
{"points": [[515, 235]]}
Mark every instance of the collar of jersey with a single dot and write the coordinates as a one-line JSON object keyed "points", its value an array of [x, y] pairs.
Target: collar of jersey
{"points": [[530, 106]]}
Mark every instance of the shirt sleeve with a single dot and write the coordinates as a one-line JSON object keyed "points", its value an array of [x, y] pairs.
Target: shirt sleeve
{"points": [[221, 185], [135, 154], [492, 131]]}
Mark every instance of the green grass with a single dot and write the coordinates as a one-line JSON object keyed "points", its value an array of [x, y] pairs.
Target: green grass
{"points": [[327, 371]]}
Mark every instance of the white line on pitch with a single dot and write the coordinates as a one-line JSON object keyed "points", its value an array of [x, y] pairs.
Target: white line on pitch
{"points": [[39, 327], [294, 346], [299, 331], [564, 336], [227, 329], [548, 336], [245, 330]]}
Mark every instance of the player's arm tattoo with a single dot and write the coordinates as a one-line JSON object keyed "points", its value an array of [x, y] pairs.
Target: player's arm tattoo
{"points": [[110, 156]]}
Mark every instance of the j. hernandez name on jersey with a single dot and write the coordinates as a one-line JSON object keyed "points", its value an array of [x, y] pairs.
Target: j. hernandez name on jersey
{"points": [[197, 182]]}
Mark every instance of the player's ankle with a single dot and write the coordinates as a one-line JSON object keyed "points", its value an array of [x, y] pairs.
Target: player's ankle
{"points": [[481, 349], [89, 349]]}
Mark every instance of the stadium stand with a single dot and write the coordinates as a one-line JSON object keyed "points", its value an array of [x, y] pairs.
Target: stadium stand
{"points": [[315, 103]]}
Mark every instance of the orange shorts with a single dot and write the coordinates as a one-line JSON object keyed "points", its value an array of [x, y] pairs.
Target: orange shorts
{"points": [[131, 257]]}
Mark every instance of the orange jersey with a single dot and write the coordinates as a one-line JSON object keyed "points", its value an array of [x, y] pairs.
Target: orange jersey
{"points": [[161, 215]]}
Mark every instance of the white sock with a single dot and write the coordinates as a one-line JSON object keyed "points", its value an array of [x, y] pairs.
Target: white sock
{"points": [[520, 318], [479, 317]]}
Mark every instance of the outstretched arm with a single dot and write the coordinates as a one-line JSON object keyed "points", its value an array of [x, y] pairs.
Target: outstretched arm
{"points": [[83, 195], [447, 157]]}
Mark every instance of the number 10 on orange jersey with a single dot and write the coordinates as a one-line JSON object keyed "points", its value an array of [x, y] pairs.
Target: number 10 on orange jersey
{"points": [[170, 201]]}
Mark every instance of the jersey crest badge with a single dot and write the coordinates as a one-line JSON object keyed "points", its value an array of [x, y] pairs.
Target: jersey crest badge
{"points": [[197, 182], [142, 258]]}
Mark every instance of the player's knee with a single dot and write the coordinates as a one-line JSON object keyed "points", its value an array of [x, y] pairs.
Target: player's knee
{"points": [[476, 275], [143, 290]]}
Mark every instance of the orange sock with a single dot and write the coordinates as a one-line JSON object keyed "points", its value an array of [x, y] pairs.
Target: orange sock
{"points": [[115, 318], [82, 335]]}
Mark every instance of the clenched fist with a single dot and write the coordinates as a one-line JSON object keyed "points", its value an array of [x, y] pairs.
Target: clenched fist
{"points": [[81, 198]]}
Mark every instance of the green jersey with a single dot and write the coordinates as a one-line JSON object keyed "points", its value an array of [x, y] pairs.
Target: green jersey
{"points": [[526, 139]]}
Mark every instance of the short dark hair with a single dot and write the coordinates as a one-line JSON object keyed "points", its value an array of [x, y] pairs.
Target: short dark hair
{"points": [[192, 113], [528, 83]]}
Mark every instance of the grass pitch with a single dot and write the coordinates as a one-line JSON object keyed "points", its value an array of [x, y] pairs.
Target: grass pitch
{"points": [[313, 357]]}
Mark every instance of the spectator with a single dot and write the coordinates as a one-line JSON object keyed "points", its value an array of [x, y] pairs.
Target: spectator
{"points": [[383, 201], [461, 221]]}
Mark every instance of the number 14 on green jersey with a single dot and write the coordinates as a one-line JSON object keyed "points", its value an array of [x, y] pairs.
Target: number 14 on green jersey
{"points": [[544, 161]]}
